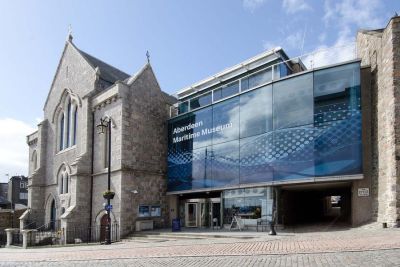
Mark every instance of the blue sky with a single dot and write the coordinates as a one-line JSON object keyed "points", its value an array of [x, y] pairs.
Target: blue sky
{"points": [[187, 40]]}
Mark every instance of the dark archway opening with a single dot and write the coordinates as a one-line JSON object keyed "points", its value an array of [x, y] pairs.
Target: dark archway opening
{"points": [[322, 204]]}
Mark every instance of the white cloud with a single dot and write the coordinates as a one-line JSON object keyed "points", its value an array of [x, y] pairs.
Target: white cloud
{"points": [[294, 40], [13, 147], [293, 6], [344, 15], [362, 13], [253, 4], [342, 50]]}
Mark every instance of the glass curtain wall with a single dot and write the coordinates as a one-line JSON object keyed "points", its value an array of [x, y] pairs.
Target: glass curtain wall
{"points": [[301, 127]]}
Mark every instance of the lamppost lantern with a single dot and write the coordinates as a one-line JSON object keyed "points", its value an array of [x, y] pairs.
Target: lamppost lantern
{"points": [[102, 127]]}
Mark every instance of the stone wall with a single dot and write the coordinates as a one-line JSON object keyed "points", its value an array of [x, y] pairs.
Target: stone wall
{"points": [[380, 49]]}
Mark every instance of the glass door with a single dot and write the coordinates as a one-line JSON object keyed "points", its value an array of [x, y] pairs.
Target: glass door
{"points": [[216, 214], [191, 215], [205, 213]]}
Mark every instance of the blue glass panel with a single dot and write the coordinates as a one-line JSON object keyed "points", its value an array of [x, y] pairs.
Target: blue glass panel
{"points": [[256, 112], [284, 70], [225, 164], [200, 101], [293, 102], [257, 79], [337, 117], [293, 153], [256, 157], [186, 132], [183, 107], [189, 170], [225, 121], [226, 91], [312, 136]]}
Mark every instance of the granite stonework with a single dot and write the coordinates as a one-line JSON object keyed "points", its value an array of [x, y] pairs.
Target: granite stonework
{"points": [[138, 109], [380, 49]]}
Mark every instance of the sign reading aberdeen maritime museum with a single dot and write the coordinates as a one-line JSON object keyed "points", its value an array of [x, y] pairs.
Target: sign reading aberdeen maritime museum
{"points": [[192, 126]]}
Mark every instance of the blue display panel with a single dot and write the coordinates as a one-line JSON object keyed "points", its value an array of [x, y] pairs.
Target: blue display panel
{"points": [[301, 127]]}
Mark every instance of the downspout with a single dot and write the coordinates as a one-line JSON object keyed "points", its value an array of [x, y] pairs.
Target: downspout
{"points": [[91, 176]]}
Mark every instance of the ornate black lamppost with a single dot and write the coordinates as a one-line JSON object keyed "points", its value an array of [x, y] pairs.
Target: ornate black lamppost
{"points": [[105, 125]]}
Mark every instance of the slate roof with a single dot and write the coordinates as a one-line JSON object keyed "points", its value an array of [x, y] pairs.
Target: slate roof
{"points": [[107, 72]]}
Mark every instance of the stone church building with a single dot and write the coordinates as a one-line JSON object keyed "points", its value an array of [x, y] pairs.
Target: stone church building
{"points": [[69, 160]]}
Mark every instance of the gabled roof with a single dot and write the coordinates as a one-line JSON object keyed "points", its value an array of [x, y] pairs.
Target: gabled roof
{"points": [[107, 72]]}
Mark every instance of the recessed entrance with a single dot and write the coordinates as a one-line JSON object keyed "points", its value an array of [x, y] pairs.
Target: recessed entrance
{"points": [[327, 204], [191, 215]]}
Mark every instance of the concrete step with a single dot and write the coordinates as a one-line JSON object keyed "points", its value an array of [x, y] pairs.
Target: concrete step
{"points": [[187, 235]]}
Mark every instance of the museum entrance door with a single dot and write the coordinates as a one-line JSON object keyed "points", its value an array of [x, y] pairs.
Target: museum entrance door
{"points": [[191, 211], [210, 212]]}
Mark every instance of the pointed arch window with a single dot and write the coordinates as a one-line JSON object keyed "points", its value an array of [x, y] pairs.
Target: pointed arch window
{"points": [[61, 137], [75, 126], [63, 180], [67, 123], [66, 180]]}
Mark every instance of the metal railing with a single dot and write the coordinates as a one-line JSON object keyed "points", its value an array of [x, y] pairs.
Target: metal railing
{"points": [[16, 239], [50, 226], [30, 225], [92, 234]]}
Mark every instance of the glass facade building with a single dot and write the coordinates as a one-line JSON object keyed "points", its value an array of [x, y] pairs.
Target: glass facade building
{"points": [[263, 131]]}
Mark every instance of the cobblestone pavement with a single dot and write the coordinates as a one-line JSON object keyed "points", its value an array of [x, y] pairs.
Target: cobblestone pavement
{"points": [[352, 247]]}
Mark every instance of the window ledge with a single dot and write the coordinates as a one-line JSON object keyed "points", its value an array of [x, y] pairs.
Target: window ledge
{"points": [[65, 150]]}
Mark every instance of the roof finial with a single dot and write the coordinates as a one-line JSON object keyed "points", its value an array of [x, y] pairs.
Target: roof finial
{"points": [[70, 33], [148, 56]]}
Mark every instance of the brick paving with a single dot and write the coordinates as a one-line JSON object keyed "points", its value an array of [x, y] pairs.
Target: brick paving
{"points": [[355, 247]]}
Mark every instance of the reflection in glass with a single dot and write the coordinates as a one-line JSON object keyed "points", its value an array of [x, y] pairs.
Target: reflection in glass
{"points": [[256, 112], [293, 102], [256, 158], [225, 164], [185, 132], [307, 137], [250, 203], [228, 90], [183, 107], [293, 153], [337, 116], [225, 121], [200, 101], [256, 79]]}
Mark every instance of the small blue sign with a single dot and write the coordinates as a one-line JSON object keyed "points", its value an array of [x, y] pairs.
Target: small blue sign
{"points": [[109, 207]]}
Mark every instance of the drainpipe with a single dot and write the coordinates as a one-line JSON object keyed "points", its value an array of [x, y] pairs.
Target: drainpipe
{"points": [[91, 176]]}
